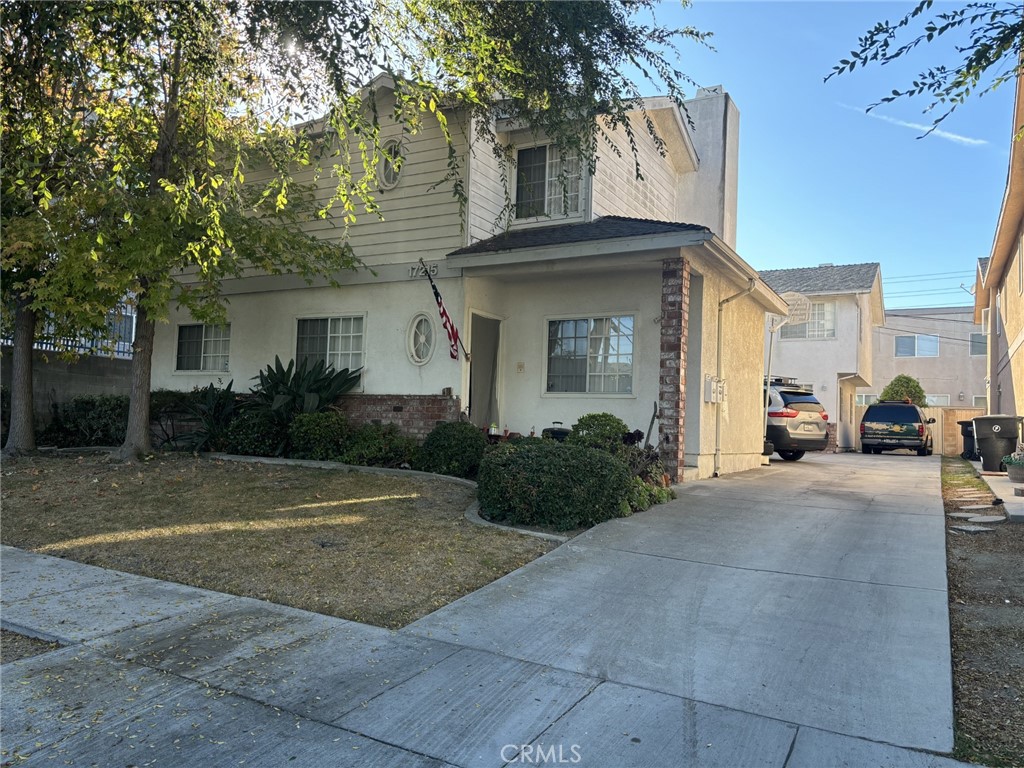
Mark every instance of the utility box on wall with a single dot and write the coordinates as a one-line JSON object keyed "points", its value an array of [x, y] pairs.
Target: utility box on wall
{"points": [[714, 389]]}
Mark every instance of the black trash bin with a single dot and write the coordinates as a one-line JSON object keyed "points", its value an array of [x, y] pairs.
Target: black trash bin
{"points": [[996, 436], [970, 451]]}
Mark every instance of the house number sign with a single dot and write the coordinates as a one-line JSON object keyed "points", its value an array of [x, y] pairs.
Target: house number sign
{"points": [[417, 270]]}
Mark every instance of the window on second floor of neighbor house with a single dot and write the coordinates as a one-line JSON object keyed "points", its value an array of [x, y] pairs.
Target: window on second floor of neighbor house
{"points": [[980, 401], [937, 401], [866, 399], [918, 345], [546, 185], [337, 341], [591, 355], [203, 347], [979, 345], [820, 325]]}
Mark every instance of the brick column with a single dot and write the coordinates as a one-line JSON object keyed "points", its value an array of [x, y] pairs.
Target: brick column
{"points": [[675, 307]]}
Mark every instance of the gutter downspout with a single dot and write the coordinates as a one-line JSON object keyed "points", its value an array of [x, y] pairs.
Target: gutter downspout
{"points": [[720, 369]]}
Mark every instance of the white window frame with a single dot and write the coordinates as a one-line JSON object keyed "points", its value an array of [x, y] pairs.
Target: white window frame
{"points": [[415, 339], [867, 398], [820, 325], [980, 401], [211, 357], [591, 373], [937, 401], [389, 173], [917, 344], [361, 316], [980, 340], [554, 195]]}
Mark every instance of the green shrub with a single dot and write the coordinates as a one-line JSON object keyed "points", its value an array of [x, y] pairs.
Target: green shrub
{"points": [[319, 436], [213, 409], [88, 420], [378, 445], [255, 433], [5, 412], [599, 430], [552, 484], [453, 448], [641, 495]]}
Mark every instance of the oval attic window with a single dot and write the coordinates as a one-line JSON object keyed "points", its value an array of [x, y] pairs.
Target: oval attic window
{"points": [[421, 339], [391, 164]]}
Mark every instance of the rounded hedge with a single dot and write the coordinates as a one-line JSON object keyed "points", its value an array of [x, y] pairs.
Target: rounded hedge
{"points": [[319, 436], [552, 484], [453, 448]]}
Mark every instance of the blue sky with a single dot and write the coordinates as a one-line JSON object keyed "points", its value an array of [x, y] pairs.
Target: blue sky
{"points": [[823, 182]]}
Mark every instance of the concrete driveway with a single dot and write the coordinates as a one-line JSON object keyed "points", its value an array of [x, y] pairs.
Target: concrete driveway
{"points": [[793, 616]]}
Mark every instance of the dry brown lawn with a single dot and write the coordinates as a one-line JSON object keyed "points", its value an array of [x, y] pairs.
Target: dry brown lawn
{"points": [[378, 549]]}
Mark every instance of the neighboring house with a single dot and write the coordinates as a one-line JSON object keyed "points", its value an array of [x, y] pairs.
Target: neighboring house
{"points": [[833, 351], [943, 348], [611, 294], [999, 287]]}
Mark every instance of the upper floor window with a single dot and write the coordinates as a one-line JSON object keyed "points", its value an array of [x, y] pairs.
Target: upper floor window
{"points": [[937, 401], [919, 345], [979, 346], [866, 399], [980, 401], [338, 341], [203, 347], [390, 164], [820, 325], [546, 184], [592, 355]]}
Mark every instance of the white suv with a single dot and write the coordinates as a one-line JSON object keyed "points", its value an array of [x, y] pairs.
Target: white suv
{"points": [[797, 422]]}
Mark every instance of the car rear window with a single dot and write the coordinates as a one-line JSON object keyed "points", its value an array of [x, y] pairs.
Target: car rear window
{"points": [[897, 413], [801, 401]]}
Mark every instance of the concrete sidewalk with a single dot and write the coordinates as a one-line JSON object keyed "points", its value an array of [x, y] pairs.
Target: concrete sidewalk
{"points": [[792, 616]]}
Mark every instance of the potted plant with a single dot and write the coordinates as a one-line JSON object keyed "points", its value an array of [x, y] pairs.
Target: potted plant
{"points": [[1014, 464]]}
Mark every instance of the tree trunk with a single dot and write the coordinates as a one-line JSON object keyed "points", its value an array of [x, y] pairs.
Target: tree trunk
{"points": [[21, 436], [137, 439]]}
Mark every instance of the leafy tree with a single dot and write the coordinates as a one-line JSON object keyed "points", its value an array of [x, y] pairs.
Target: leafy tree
{"points": [[174, 107], [991, 53], [905, 387]]}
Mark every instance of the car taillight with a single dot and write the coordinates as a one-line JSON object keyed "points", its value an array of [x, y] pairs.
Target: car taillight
{"points": [[785, 413], [920, 430], [824, 416], [862, 429]]}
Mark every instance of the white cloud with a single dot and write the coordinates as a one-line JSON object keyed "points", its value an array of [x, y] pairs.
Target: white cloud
{"points": [[938, 132]]}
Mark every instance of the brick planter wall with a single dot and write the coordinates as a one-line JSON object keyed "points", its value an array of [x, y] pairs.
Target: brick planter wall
{"points": [[675, 308], [415, 415]]}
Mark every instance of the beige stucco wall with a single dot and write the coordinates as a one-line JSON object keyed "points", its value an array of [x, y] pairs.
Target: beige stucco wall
{"points": [[954, 371], [1010, 367], [743, 365]]}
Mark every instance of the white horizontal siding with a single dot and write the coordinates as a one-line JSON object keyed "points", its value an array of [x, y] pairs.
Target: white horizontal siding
{"points": [[617, 191]]}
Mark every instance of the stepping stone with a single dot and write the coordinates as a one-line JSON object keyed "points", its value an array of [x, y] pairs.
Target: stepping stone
{"points": [[987, 519], [976, 506], [961, 515], [970, 528]]}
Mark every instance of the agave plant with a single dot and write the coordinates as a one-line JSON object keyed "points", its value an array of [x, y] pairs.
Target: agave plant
{"points": [[214, 409], [287, 391]]}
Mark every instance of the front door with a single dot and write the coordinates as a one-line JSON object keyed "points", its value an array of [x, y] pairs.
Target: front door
{"points": [[483, 371]]}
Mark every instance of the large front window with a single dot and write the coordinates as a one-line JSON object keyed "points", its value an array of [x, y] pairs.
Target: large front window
{"points": [[203, 347], [821, 324], [591, 355], [337, 341], [546, 185]]}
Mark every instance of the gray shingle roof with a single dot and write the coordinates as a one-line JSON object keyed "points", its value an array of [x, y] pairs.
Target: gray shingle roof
{"points": [[829, 278], [983, 266], [604, 228]]}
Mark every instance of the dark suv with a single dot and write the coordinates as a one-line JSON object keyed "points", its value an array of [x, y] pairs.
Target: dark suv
{"points": [[796, 421], [889, 425]]}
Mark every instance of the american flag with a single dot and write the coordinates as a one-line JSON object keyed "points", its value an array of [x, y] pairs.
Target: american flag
{"points": [[446, 321]]}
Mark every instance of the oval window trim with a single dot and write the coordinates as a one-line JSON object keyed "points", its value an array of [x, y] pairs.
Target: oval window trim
{"points": [[421, 339], [390, 174]]}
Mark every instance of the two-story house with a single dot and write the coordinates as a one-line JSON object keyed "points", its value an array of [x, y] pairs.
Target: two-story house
{"points": [[833, 350], [942, 347], [600, 293], [999, 287]]}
